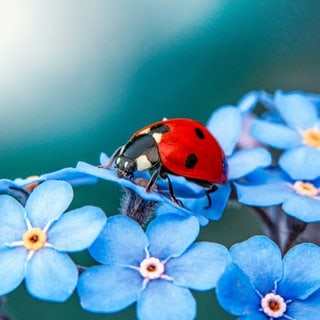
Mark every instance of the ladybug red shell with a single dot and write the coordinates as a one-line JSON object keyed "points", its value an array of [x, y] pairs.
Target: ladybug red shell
{"points": [[178, 146]]}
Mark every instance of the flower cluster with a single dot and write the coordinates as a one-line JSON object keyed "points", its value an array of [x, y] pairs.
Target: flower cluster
{"points": [[149, 255]]}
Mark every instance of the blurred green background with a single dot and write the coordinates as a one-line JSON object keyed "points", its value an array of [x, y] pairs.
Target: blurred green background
{"points": [[79, 77]]}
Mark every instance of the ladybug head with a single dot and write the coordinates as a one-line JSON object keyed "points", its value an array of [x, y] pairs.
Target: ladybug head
{"points": [[125, 166], [139, 154]]}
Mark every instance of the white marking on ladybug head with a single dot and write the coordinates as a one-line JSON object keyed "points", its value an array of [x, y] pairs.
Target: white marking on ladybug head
{"points": [[118, 160], [143, 163], [157, 137], [145, 131]]}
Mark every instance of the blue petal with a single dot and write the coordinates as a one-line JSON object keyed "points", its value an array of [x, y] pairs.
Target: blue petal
{"points": [[275, 135], [110, 175], [301, 272], [260, 259], [97, 171], [77, 229], [249, 101], [162, 300], [71, 175], [296, 109], [12, 263], [48, 201], [182, 187], [170, 235], [301, 163], [235, 293], [219, 201], [12, 226], [122, 241], [104, 159], [200, 267], [310, 212], [305, 309], [51, 275], [226, 124], [167, 209], [108, 288], [268, 187], [12, 188], [247, 160], [255, 315]]}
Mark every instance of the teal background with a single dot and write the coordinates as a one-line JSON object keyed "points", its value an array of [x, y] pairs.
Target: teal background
{"points": [[79, 77]]}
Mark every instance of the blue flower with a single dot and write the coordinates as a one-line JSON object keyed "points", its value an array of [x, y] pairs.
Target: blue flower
{"points": [[158, 193], [299, 198], [34, 240], [227, 124], [260, 285], [21, 188], [297, 131], [156, 269]]}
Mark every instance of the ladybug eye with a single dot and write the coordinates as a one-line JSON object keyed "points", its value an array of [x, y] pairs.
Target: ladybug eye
{"points": [[129, 166]]}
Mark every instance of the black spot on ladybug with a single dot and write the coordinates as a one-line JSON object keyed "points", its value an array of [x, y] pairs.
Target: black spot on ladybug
{"points": [[199, 133], [191, 161], [159, 128]]}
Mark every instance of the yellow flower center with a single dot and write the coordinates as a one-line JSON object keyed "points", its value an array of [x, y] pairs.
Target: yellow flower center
{"points": [[306, 189], [34, 239], [312, 137]]}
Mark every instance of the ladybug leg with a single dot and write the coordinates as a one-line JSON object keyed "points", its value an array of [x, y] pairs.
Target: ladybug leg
{"points": [[171, 191], [213, 188], [114, 155], [153, 179]]}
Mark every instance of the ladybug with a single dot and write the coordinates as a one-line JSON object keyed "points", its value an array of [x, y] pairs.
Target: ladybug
{"points": [[182, 147]]}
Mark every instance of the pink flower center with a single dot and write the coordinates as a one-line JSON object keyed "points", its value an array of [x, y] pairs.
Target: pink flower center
{"points": [[151, 268], [273, 305]]}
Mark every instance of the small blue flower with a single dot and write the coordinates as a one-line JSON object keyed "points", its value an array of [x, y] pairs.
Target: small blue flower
{"points": [[21, 188], [260, 285], [34, 240], [297, 132], [156, 269], [226, 124], [299, 198]]}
